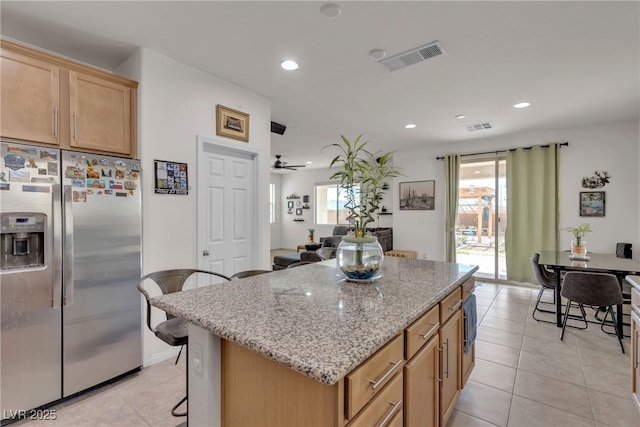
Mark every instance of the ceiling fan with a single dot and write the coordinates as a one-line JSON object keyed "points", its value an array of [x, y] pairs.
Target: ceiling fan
{"points": [[284, 165]]}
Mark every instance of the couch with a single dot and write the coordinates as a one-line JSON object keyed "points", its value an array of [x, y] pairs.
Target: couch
{"points": [[313, 254]]}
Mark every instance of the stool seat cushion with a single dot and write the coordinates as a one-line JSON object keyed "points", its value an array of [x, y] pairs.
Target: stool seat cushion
{"points": [[173, 331]]}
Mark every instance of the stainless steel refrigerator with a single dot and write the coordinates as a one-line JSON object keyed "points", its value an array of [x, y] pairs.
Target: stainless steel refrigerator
{"points": [[69, 261]]}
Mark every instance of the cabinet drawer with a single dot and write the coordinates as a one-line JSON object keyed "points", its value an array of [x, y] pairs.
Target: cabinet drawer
{"points": [[421, 331], [468, 287], [385, 409], [369, 378], [450, 304]]}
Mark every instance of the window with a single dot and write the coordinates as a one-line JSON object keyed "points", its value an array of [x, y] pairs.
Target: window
{"points": [[272, 203], [330, 201]]}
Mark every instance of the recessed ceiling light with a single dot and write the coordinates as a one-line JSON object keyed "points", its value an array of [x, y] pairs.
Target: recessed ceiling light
{"points": [[331, 10], [309, 163], [461, 116], [377, 53], [289, 65], [521, 105], [410, 126]]}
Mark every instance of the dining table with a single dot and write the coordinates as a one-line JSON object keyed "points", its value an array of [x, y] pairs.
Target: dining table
{"points": [[560, 261]]}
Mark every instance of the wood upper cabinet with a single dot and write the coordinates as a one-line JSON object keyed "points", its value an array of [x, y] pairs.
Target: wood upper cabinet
{"points": [[100, 114], [30, 98], [54, 101]]}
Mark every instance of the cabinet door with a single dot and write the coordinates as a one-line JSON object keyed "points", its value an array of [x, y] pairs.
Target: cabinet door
{"points": [[100, 113], [30, 98], [421, 387], [450, 342]]}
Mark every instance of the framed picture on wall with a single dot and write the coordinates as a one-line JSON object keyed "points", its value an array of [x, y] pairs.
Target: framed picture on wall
{"points": [[299, 211], [232, 123], [592, 203], [417, 195]]}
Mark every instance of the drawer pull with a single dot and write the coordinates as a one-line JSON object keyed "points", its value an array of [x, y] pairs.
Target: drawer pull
{"points": [[376, 383], [456, 306], [390, 413], [434, 327]]}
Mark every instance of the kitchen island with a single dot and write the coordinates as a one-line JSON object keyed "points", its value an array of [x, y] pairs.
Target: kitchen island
{"points": [[279, 348]]}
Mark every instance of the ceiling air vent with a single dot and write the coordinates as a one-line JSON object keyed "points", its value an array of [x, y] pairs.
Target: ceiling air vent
{"points": [[478, 126], [413, 56]]}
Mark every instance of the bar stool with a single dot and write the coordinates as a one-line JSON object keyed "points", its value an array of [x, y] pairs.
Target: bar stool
{"points": [[172, 331]]}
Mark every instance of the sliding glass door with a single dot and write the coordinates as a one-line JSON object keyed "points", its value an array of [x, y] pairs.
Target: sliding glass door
{"points": [[482, 216]]}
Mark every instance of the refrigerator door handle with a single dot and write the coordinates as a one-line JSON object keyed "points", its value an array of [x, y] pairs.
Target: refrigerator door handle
{"points": [[68, 246], [57, 246]]}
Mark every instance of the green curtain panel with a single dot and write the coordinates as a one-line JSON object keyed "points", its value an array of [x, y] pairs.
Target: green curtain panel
{"points": [[452, 174], [532, 207]]}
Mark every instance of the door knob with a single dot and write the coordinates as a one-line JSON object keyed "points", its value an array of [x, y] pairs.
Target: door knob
{"points": [[205, 252]]}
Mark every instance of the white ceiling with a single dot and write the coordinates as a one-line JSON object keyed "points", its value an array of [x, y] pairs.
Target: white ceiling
{"points": [[577, 62]]}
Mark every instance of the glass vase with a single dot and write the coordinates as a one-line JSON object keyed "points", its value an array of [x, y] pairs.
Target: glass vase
{"points": [[360, 258], [579, 250]]}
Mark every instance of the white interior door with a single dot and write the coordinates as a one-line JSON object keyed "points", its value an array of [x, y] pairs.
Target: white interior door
{"points": [[227, 220]]}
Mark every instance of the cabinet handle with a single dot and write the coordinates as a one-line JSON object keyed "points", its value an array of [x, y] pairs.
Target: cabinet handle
{"points": [[434, 327], [456, 306], [55, 122], [75, 126], [440, 366], [390, 413], [376, 383], [447, 371]]}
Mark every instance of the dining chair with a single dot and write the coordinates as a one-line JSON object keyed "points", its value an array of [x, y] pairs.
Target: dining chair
{"points": [[172, 331], [594, 289], [248, 273], [547, 281]]}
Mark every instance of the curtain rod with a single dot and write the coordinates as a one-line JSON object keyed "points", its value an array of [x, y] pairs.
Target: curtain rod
{"points": [[562, 144]]}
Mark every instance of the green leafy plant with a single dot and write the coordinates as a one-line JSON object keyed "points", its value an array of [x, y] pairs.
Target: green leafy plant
{"points": [[579, 231], [362, 176]]}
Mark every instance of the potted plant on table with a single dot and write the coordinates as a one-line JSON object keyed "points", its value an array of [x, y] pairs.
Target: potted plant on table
{"points": [[363, 177], [311, 232], [579, 245]]}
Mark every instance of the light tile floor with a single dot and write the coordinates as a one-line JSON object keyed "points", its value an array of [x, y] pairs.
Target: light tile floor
{"points": [[524, 376]]}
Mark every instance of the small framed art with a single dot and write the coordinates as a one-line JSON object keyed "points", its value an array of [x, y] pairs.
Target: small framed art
{"points": [[417, 195], [592, 203], [232, 123]]}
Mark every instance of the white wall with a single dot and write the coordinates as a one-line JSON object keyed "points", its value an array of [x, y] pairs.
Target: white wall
{"points": [[613, 147], [175, 104]]}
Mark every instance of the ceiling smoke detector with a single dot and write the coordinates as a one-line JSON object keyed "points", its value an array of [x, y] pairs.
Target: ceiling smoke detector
{"points": [[478, 126], [413, 56]]}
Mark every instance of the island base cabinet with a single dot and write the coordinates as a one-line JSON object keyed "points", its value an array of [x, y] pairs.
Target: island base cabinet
{"points": [[421, 387], [257, 391], [451, 347]]}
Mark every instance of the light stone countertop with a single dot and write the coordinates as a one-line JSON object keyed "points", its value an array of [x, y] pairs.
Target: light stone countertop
{"points": [[311, 320]]}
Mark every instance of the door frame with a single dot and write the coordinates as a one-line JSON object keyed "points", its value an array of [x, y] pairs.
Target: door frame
{"points": [[213, 144]]}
